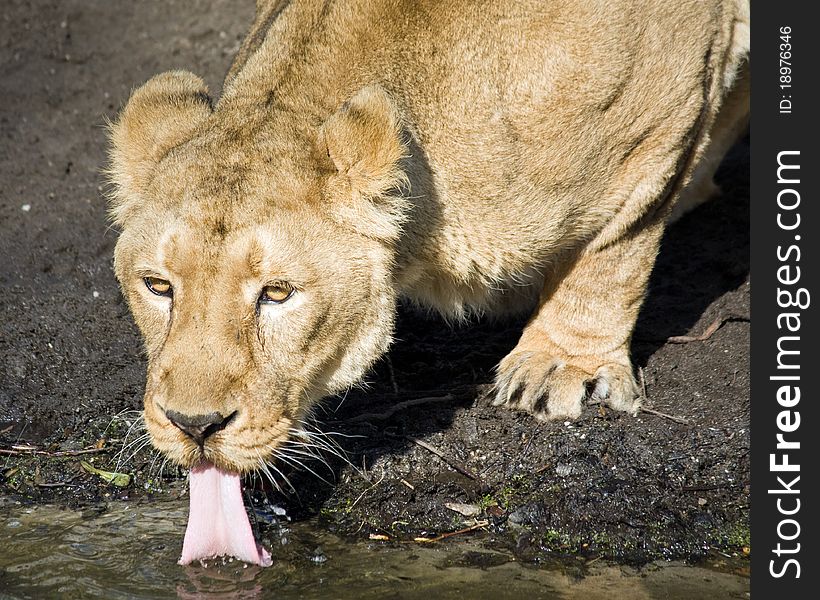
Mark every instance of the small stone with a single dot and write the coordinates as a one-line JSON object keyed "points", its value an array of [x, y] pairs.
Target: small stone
{"points": [[468, 510], [319, 556], [25, 207]]}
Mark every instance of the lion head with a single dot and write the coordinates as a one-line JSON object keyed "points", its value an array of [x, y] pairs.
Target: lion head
{"points": [[255, 254]]}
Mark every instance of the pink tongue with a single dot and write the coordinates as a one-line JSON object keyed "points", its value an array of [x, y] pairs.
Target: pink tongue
{"points": [[218, 524]]}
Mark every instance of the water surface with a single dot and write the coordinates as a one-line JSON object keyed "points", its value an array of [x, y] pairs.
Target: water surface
{"points": [[130, 551]]}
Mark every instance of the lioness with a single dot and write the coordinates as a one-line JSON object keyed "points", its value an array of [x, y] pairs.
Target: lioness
{"points": [[471, 156]]}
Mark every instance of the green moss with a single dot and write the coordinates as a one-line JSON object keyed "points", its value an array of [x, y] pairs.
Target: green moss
{"points": [[556, 540], [486, 501], [506, 495], [736, 536]]}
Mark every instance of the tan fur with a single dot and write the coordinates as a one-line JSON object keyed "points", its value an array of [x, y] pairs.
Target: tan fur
{"points": [[470, 156]]}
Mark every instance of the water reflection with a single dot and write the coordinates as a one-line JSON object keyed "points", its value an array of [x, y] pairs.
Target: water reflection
{"points": [[130, 552], [221, 583]]}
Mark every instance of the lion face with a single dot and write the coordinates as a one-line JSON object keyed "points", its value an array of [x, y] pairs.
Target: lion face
{"points": [[255, 327], [258, 274]]}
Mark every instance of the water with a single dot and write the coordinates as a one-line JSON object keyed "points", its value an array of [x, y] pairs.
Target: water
{"points": [[130, 551]]}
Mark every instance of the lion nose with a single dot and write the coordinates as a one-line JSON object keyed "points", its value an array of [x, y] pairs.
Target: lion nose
{"points": [[199, 427]]}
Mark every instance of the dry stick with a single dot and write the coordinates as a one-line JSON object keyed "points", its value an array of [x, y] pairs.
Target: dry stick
{"points": [[463, 393], [22, 451], [443, 536], [392, 375], [643, 383], [542, 468], [355, 502], [708, 332], [658, 413], [650, 411], [400, 406], [706, 488], [461, 469]]}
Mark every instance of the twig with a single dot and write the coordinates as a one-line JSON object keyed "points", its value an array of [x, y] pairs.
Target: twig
{"points": [[443, 536], [657, 413], [707, 488], [461, 469], [23, 450], [400, 406], [643, 383], [17, 441], [651, 411], [355, 502], [392, 375], [708, 332], [469, 392]]}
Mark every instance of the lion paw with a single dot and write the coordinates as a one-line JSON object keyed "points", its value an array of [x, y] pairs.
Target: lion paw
{"points": [[551, 388]]}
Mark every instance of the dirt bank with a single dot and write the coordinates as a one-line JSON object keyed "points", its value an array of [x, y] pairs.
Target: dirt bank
{"points": [[422, 435]]}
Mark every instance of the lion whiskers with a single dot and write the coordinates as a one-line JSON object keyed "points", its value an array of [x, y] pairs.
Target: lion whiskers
{"points": [[132, 446], [286, 455], [265, 468], [306, 443], [135, 445]]}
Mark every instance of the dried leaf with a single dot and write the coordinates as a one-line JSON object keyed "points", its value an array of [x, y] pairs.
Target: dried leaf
{"points": [[117, 479], [468, 510]]}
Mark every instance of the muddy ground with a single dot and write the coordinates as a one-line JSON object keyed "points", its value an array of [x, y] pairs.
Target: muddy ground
{"points": [[606, 485]]}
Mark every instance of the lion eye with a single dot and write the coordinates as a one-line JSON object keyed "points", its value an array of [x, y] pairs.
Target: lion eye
{"points": [[158, 286], [276, 293]]}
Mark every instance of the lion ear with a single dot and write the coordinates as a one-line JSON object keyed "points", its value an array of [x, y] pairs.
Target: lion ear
{"points": [[160, 115], [364, 143]]}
